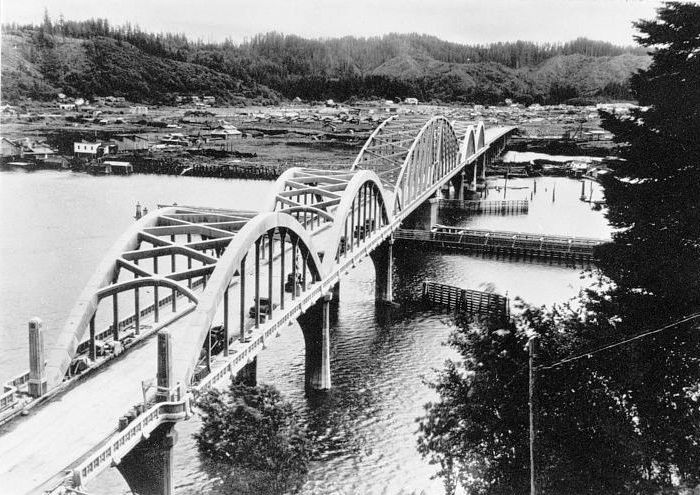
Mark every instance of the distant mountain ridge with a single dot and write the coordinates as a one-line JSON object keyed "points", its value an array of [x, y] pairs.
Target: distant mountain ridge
{"points": [[90, 58]]}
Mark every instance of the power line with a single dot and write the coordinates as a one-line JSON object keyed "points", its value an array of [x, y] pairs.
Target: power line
{"points": [[616, 344]]}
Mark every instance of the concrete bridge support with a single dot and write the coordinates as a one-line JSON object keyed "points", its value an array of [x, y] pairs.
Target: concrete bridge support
{"points": [[315, 324], [475, 170], [249, 373], [148, 468], [458, 185], [383, 259], [424, 217]]}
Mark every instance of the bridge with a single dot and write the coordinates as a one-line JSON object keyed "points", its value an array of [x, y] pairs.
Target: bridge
{"points": [[215, 285]]}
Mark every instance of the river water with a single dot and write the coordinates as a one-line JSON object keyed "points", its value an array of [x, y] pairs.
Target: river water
{"points": [[54, 227]]}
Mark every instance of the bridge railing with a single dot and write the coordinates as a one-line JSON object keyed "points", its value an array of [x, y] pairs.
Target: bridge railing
{"points": [[8, 398], [235, 362], [116, 446]]}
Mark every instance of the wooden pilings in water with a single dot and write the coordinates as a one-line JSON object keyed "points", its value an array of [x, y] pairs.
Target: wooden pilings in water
{"points": [[558, 249], [175, 166], [466, 300], [502, 207]]}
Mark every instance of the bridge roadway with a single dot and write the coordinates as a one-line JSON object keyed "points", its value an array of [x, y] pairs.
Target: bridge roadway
{"points": [[33, 448], [36, 450]]}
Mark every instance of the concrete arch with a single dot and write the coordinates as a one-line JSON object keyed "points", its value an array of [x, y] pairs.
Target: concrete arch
{"points": [[61, 352], [189, 343], [146, 282], [468, 146], [418, 166], [280, 185], [309, 208], [370, 141], [360, 178], [480, 136]]}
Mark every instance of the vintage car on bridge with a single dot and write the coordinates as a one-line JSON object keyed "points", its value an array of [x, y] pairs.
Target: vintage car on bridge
{"points": [[362, 230], [264, 309], [291, 285]]}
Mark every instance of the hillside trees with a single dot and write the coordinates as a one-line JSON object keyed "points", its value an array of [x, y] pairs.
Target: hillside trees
{"points": [[338, 68]]}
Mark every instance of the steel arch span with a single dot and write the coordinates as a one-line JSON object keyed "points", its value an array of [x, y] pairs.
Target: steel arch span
{"points": [[362, 211], [410, 155], [273, 226], [402, 161], [189, 240], [177, 267]]}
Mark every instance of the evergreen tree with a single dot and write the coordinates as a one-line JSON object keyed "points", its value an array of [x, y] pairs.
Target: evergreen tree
{"points": [[654, 195], [627, 419], [252, 429]]}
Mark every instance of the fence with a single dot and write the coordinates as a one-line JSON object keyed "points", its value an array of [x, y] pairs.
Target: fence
{"points": [[502, 207], [555, 248], [467, 300]]}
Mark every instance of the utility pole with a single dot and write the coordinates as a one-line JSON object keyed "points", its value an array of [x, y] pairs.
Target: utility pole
{"points": [[531, 404]]}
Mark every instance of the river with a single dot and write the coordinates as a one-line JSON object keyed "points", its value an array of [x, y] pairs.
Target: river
{"points": [[54, 227]]}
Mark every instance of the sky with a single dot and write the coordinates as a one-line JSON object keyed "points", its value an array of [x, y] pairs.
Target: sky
{"points": [[462, 21]]}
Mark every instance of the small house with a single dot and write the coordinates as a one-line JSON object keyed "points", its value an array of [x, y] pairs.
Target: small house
{"points": [[225, 131], [84, 149], [9, 149], [138, 110]]}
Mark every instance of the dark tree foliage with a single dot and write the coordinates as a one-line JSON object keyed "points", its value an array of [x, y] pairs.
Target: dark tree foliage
{"points": [[254, 429], [654, 196], [654, 261], [593, 434], [588, 435], [627, 419]]}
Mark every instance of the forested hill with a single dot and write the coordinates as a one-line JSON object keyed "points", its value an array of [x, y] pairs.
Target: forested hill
{"points": [[91, 58]]}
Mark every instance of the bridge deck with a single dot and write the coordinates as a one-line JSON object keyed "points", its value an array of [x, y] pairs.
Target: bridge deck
{"points": [[34, 448], [491, 134]]}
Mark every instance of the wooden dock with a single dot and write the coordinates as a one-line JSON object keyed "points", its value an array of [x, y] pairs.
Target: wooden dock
{"points": [[498, 207], [467, 300], [560, 249]]}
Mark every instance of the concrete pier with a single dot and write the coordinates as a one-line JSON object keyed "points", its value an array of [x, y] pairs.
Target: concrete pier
{"points": [[383, 259], [315, 324], [148, 468], [249, 373], [425, 216], [165, 376], [37, 373]]}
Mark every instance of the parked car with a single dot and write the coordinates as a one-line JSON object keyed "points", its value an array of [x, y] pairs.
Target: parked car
{"points": [[362, 230], [264, 309], [289, 284]]}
